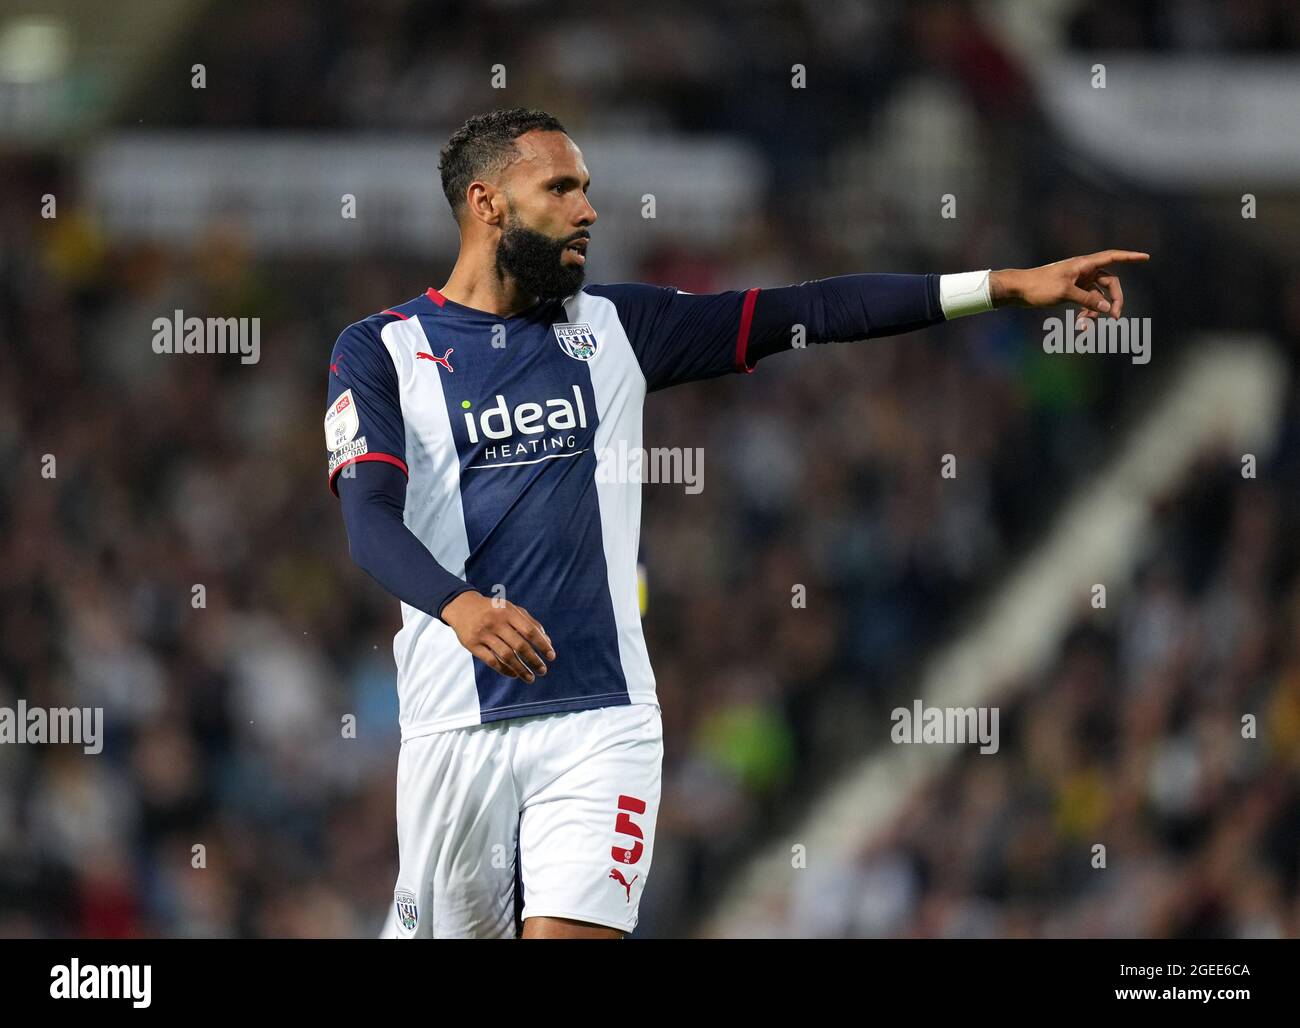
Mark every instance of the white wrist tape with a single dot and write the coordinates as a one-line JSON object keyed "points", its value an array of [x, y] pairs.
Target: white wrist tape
{"points": [[967, 293]]}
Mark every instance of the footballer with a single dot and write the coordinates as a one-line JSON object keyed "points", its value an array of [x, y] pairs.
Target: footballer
{"points": [[464, 428]]}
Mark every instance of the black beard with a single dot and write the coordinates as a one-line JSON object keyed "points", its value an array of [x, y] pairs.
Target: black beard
{"points": [[536, 263]]}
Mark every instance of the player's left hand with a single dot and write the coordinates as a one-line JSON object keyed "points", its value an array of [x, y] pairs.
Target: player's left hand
{"points": [[1089, 282]]}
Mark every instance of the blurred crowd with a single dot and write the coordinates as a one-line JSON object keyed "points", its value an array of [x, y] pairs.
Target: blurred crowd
{"points": [[1243, 27], [227, 800], [1148, 785]]}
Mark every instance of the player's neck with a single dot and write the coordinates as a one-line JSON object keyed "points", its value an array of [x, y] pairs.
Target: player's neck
{"points": [[482, 290]]}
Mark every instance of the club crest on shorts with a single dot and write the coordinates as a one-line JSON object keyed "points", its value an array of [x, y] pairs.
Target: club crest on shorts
{"points": [[407, 912], [577, 340]]}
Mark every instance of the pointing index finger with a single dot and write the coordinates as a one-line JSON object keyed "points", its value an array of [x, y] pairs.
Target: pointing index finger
{"points": [[1098, 260]]}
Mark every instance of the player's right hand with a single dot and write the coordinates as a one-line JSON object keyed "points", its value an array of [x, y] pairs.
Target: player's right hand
{"points": [[505, 637]]}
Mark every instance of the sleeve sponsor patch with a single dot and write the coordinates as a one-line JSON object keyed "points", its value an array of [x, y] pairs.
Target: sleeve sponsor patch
{"points": [[346, 452], [341, 421]]}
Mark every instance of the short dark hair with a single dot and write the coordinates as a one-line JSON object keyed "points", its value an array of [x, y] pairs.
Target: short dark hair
{"points": [[485, 144]]}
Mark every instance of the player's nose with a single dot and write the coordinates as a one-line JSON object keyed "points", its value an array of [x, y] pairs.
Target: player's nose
{"points": [[588, 213]]}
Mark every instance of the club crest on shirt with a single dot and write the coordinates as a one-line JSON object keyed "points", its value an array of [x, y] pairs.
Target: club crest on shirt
{"points": [[407, 912], [577, 340]]}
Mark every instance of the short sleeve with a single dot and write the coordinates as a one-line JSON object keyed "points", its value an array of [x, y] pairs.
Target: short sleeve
{"points": [[363, 413], [683, 337]]}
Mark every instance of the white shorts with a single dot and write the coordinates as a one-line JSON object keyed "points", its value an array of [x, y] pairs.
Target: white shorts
{"points": [[554, 813]]}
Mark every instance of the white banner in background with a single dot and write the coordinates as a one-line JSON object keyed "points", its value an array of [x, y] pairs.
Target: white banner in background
{"points": [[1223, 122], [285, 192]]}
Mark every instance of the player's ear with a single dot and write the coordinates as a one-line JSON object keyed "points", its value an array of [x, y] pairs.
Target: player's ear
{"points": [[485, 203]]}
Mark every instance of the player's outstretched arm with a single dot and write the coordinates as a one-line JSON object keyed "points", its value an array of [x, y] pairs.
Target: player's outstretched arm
{"points": [[681, 337], [502, 635], [868, 306]]}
